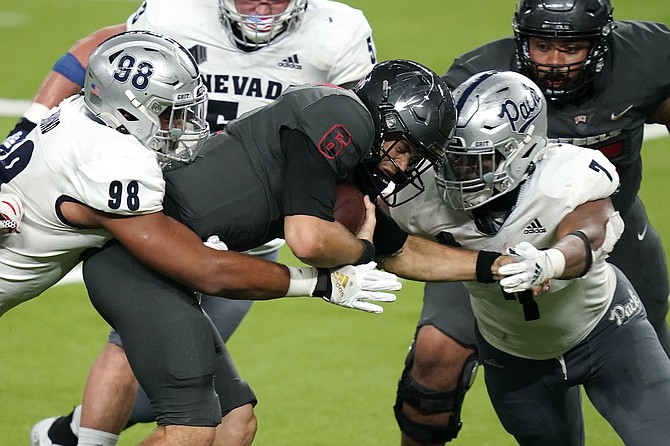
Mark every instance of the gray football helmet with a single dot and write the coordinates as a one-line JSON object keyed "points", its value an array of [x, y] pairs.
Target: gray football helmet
{"points": [[256, 31], [569, 20], [409, 102], [148, 86], [500, 135]]}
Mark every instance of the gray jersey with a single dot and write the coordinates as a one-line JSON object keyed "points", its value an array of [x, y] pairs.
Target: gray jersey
{"points": [[254, 178]]}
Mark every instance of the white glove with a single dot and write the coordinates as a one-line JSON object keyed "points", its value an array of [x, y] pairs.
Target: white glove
{"points": [[11, 213], [533, 267], [215, 243], [348, 286]]}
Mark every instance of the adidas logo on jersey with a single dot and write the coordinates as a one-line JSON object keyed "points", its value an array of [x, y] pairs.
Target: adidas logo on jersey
{"points": [[535, 227], [290, 62]]}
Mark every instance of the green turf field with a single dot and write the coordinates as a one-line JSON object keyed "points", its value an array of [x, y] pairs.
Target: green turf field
{"points": [[324, 375]]}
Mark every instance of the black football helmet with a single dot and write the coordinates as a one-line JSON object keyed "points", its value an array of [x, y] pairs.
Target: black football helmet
{"points": [[408, 102], [563, 19]]}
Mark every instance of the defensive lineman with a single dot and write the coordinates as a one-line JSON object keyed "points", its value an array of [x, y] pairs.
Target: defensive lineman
{"points": [[504, 187], [603, 80]]}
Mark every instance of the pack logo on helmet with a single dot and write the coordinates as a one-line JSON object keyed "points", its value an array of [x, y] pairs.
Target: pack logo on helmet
{"points": [[521, 114]]}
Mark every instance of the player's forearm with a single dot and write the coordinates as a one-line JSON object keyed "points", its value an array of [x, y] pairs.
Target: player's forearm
{"points": [[321, 243], [427, 261]]}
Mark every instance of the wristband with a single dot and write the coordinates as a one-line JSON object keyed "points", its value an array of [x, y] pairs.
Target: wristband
{"points": [[485, 261], [35, 112], [368, 253], [302, 281], [70, 67], [588, 260], [557, 261], [324, 285]]}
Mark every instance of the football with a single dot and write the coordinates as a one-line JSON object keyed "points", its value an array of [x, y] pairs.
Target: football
{"points": [[349, 207]]}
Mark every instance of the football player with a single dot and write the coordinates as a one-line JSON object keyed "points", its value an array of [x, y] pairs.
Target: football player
{"points": [[603, 80], [249, 52], [91, 171], [273, 173], [505, 187]]}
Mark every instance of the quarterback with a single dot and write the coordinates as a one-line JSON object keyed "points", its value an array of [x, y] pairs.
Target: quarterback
{"points": [[504, 187]]}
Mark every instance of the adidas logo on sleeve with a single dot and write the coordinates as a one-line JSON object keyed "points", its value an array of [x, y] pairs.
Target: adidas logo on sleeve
{"points": [[535, 227]]}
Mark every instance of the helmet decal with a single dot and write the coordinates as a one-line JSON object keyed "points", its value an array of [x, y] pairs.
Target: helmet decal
{"points": [[500, 135], [148, 86]]}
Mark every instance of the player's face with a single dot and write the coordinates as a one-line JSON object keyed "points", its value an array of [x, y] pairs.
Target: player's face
{"points": [[558, 60], [261, 7], [400, 155]]}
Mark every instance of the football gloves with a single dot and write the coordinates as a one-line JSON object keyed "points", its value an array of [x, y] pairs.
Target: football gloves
{"points": [[533, 267], [347, 286]]}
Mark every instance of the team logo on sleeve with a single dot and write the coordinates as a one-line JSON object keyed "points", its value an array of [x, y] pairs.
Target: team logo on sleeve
{"points": [[335, 139]]}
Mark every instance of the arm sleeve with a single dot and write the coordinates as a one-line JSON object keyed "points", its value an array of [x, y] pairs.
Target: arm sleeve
{"points": [[388, 238]]}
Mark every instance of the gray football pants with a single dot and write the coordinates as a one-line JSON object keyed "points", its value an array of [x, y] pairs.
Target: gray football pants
{"points": [[621, 366], [226, 314]]}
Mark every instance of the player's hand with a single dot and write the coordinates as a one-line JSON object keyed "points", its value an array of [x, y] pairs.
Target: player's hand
{"points": [[534, 268], [18, 133], [353, 286], [368, 227], [11, 213]]}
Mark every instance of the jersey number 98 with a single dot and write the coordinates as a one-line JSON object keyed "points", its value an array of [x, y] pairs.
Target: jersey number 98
{"points": [[116, 192]]}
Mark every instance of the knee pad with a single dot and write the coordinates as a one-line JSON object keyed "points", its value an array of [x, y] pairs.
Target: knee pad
{"points": [[429, 401]]}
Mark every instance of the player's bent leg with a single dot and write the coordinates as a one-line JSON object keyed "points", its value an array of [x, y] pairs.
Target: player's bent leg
{"points": [[629, 361], [439, 368], [109, 392], [167, 339], [180, 435], [438, 373], [533, 399]]}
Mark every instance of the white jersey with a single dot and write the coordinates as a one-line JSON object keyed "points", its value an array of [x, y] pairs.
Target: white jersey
{"points": [[566, 177], [332, 45], [69, 157]]}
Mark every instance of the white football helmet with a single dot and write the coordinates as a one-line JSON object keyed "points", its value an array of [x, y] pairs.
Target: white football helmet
{"points": [[256, 31], [149, 86], [501, 133]]}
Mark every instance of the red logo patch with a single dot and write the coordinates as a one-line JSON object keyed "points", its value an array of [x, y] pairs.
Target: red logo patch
{"points": [[336, 139]]}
